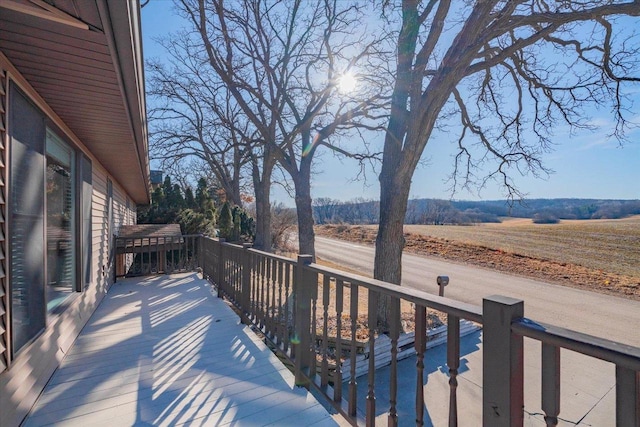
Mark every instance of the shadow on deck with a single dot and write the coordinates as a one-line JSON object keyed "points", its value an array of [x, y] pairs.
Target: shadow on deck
{"points": [[163, 350]]}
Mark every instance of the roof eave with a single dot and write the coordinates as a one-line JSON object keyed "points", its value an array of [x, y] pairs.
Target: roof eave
{"points": [[126, 51]]}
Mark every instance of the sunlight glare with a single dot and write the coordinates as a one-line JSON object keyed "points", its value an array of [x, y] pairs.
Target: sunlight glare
{"points": [[347, 82]]}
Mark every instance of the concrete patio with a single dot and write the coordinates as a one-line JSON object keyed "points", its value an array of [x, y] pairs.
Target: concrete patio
{"points": [[163, 350]]}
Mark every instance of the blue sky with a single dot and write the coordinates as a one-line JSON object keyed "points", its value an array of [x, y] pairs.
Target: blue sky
{"points": [[586, 165]]}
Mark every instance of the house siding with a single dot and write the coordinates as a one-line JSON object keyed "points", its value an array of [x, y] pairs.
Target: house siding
{"points": [[4, 291], [23, 378]]}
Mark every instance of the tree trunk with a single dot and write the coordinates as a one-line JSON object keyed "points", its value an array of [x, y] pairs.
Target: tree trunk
{"points": [[262, 189], [262, 240], [234, 195], [302, 183], [394, 194], [306, 235]]}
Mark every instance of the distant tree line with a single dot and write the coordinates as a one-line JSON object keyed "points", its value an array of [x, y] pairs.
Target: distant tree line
{"points": [[440, 212], [204, 212], [559, 208]]}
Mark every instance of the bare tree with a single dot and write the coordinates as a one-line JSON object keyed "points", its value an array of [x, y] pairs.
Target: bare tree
{"points": [[195, 117], [282, 62], [325, 210], [508, 72], [199, 117]]}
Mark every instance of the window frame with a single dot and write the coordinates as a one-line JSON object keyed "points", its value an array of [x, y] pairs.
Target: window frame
{"points": [[82, 179]]}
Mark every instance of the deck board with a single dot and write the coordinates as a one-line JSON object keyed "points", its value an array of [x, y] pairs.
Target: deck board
{"points": [[163, 350]]}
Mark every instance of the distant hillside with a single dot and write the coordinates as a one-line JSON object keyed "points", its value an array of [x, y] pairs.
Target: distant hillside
{"points": [[435, 211]]}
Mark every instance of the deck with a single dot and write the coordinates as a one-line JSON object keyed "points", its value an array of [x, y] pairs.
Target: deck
{"points": [[163, 350]]}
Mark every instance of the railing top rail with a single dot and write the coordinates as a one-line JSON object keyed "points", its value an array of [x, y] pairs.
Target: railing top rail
{"points": [[146, 236], [126, 244], [273, 256], [456, 308], [610, 351]]}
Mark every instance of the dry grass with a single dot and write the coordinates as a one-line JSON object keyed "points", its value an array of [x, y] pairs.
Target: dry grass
{"points": [[607, 245], [598, 255]]}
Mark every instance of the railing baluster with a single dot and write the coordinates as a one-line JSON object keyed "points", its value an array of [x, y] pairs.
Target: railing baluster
{"points": [[287, 295], [168, 265], [274, 311], [353, 385], [314, 338], [550, 383], [279, 323], [260, 296], [160, 260], [337, 384], [270, 289], [324, 367], [267, 301], [238, 274], [421, 347], [220, 267], [453, 361], [265, 292], [138, 260], [394, 333], [245, 285], [371, 377], [157, 254], [174, 263], [255, 262], [139, 263], [143, 270], [232, 272], [180, 254], [185, 253]]}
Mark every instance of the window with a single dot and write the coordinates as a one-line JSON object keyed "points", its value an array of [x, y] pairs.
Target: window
{"points": [[26, 220], [61, 221], [49, 221]]}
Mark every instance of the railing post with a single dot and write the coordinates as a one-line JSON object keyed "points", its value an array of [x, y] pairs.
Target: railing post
{"points": [[502, 373], [245, 286], [627, 397], [303, 293]]}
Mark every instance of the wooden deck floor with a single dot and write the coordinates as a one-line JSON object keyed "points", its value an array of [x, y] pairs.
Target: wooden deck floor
{"points": [[163, 350]]}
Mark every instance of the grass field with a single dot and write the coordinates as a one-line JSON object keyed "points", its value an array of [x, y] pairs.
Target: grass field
{"points": [[607, 245]]}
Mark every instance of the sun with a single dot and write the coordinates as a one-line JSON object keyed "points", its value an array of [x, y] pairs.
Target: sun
{"points": [[347, 82]]}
